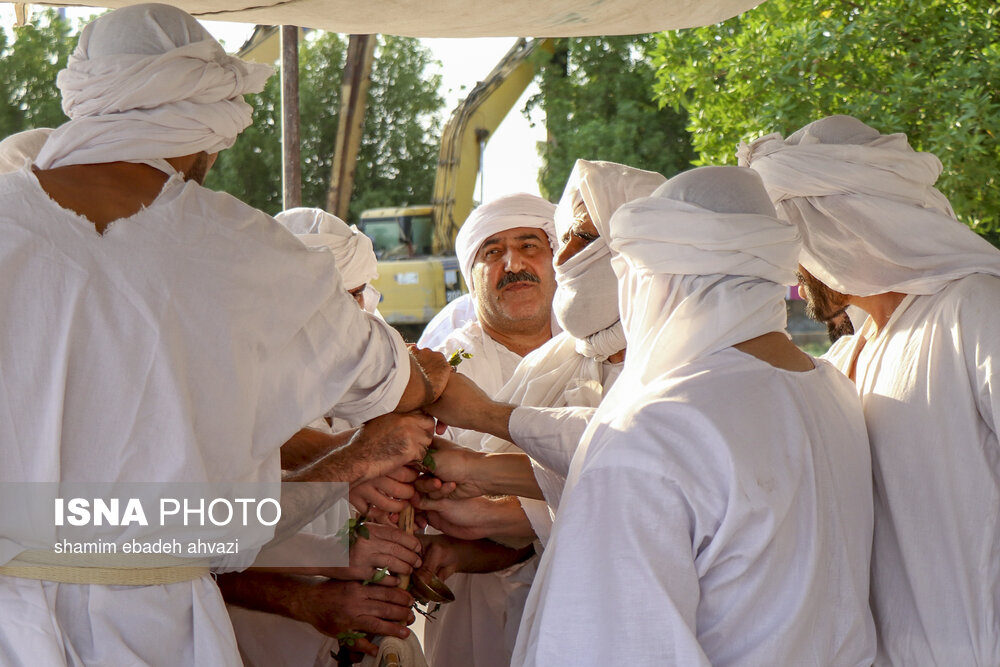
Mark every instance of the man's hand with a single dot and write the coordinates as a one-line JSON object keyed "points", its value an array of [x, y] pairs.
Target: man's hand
{"points": [[333, 607], [435, 367], [385, 547], [456, 472], [464, 405], [446, 555], [477, 518], [389, 442], [389, 493]]}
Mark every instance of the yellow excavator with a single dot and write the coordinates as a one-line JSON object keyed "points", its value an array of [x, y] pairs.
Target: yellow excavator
{"points": [[418, 271]]}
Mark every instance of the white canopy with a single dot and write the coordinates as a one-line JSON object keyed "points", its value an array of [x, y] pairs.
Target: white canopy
{"points": [[467, 18]]}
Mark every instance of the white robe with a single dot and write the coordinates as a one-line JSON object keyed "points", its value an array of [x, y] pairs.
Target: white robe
{"points": [[704, 531], [186, 343], [927, 383], [469, 631]]}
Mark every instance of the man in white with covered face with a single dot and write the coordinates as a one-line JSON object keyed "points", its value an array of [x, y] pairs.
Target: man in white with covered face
{"points": [[718, 509], [505, 252], [165, 335], [880, 236]]}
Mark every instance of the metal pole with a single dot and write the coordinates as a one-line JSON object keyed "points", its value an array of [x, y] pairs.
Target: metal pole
{"points": [[291, 162]]}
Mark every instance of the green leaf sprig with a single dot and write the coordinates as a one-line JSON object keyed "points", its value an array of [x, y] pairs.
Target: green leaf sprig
{"points": [[457, 356], [348, 637], [353, 529], [379, 575], [428, 461]]}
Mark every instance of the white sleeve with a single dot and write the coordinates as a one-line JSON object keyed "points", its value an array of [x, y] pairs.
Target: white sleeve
{"points": [[617, 584], [549, 435], [343, 358]]}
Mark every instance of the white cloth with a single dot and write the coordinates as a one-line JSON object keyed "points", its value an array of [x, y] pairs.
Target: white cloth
{"points": [[469, 631], [407, 652], [20, 148], [870, 217], [352, 250], [586, 303], [499, 215], [186, 343], [706, 531], [708, 481], [455, 315], [927, 382], [148, 82]]}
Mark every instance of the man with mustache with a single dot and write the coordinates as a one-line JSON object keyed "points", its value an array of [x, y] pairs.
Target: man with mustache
{"points": [[505, 251]]}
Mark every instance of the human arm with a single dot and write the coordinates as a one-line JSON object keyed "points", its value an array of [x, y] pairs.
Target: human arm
{"points": [[309, 445], [460, 473], [464, 405], [430, 372], [389, 493], [378, 447], [330, 606], [445, 555], [501, 519]]}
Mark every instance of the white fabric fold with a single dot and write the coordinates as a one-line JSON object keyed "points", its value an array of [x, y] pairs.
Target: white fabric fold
{"points": [[148, 82], [586, 302], [871, 219], [352, 250], [19, 149], [507, 212]]}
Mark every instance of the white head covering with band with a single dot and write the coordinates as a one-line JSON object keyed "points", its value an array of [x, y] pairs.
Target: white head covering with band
{"points": [[586, 303], [870, 217], [499, 215], [148, 82], [702, 265]]}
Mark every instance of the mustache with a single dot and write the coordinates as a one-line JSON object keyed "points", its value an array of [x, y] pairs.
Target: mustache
{"points": [[517, 277]]}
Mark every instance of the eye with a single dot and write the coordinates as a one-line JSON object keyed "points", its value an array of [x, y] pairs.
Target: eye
{"points": [[586, 237]]}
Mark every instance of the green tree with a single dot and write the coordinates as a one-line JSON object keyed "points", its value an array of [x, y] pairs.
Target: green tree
{"points": [[398, 154], [928, 69], [597, 94], [30, 57]]}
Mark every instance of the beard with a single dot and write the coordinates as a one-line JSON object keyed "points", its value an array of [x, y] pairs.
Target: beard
{"points": [[198, 169], [826, 305]]}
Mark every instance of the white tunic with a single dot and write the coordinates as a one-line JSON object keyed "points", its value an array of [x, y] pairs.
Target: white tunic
{"points": [[927, 382], [469, 631], [186, 343], [691, 510]]}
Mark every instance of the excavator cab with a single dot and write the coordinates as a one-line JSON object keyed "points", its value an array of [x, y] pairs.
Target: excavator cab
{"points": [[398, 233]]}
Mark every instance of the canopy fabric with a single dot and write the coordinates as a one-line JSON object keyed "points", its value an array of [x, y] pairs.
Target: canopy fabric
{"points": [[467, 18]]}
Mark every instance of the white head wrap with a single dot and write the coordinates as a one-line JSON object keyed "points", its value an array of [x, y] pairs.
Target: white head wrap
{"points": [[20, 148], [352, 250], [870, 217], [148, 82], [586, 302], [499, 215], [702, 265]]}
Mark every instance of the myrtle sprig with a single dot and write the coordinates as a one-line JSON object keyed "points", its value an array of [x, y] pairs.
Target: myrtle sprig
{"points": [[457, 356], [379, 575], [353, 529], [348, 637], [428, 461]]}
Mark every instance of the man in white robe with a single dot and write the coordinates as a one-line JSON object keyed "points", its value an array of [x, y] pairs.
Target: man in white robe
{"points": [[878, 235], [505, 253], [718, 509], [165, 333]]}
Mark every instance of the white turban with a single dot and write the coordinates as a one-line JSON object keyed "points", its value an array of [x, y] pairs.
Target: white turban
{"points": [[702, 265], [870, 217], [507, 212], [17, 149], [586, 302], [352, 250], [148, 82]]}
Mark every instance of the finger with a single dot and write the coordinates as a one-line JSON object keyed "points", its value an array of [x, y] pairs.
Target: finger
{"points": [[396, 597], [404, 475], [441, 428], [377, 626], [390, 487], [388, 580], [397, 565], [384, 610], [366, 647], [393, 536], [427, 485], [387, 504]]}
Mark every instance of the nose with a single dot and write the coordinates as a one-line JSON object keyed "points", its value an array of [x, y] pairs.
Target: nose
{"points": [[513, 261]]}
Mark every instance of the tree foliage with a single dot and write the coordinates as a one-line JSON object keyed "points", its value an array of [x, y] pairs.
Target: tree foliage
{"points": [[597, 94], [398, 155], [30, 57], [927, 68]]}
